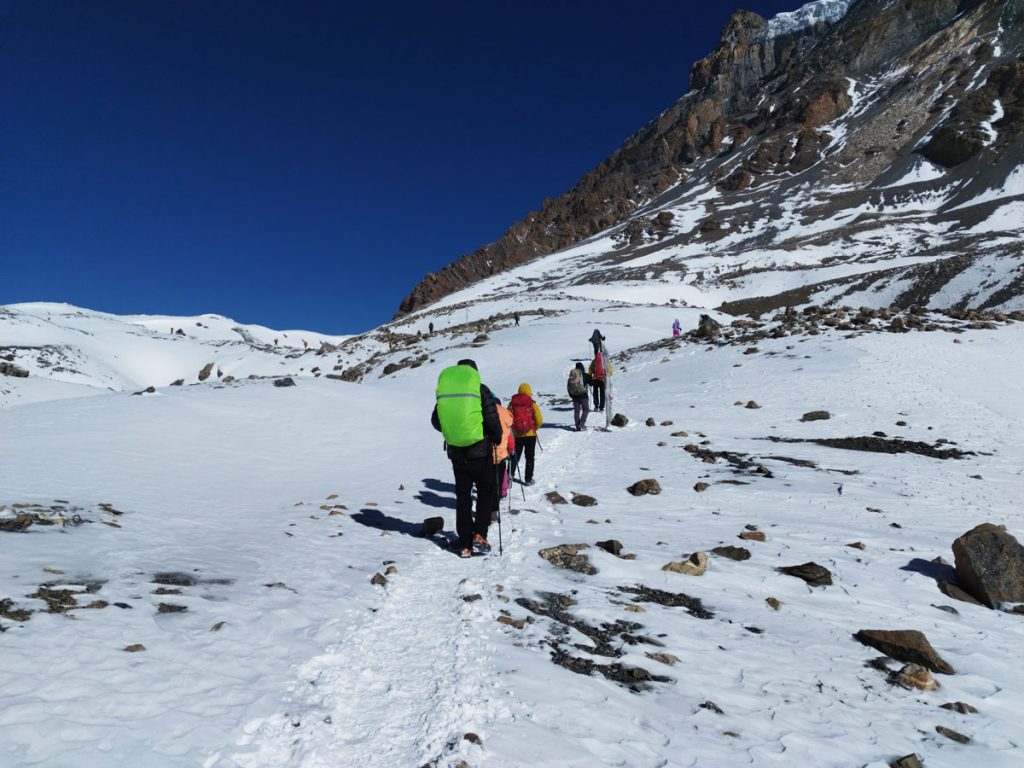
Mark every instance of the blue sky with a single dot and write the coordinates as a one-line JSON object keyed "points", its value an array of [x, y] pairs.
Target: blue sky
{"points": [[303, 164]]}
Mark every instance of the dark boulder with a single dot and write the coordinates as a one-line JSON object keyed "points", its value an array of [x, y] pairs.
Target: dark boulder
{"points": [[815, 575], [644, 487], [619, 420], [731, 552], [990, 565], [287, 381], [905, 645]]}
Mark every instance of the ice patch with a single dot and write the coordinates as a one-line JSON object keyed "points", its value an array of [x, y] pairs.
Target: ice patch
{"points": [[819, 12]]}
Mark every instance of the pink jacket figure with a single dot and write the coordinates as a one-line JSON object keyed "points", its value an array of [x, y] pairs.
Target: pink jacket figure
{"points": [[676, 328]]}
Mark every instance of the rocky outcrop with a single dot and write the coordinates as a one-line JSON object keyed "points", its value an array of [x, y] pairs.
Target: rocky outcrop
{"points": [[759, 109], [905, 645]]}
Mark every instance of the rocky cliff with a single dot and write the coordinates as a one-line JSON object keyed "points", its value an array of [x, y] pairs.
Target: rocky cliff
{"points": [[926, 93]]}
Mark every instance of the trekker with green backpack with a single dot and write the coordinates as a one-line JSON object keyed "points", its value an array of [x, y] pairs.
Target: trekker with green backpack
{"points": [[466, 415], [576, 386]]}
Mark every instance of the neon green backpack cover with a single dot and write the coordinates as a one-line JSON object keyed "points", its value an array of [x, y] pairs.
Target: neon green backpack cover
{"points": [[458, 406]]}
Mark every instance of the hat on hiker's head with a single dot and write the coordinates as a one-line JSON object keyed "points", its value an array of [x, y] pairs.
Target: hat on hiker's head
{"points": [[579, 366], [467, 361]]}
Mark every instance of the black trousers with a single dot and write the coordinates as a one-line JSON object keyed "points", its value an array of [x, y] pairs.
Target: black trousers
{"points": [[529, 446], [481, 473], [598, 394]]}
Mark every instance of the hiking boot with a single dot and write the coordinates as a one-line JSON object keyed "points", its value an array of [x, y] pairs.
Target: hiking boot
{"points": [[531, 481], [466, 553], [480, 545]]}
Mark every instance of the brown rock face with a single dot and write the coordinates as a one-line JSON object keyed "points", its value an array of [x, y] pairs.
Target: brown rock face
{"points": [[990, 565], [905, 645]]}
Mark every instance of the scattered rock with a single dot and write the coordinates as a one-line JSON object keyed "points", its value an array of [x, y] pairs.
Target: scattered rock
{"points": [[619, 420], [171, 608], [712, 707], [856, 545], [949, 589], [752, 404], [567, 556], [517, 623], [287, 381], [907, 761], [693, 605], [681, 434], [431, 526], [146, 391], [701, 487], [379, 580], [695, 565], [218, 626], [708, 328], [666, 423], [10, 369], [905, 645], [134, 648], [472, 738], [651, 422], [9, 612], [614, 546], [733, 553], [816, 416], [915, 676], [664, 658], [773, 602], [472, 598], [645, 487], [554, 497], [949, 733], [751, 351], [583, 500], [990, 565], [634, 608], [391, 570], [204, 374], [752, 535], [815, 575], [960, 707], [16, 523]]}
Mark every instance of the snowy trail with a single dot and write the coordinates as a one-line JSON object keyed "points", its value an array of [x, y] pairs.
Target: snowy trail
{"points": [[406, 685]]}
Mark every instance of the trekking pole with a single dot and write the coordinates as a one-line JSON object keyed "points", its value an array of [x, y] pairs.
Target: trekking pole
{"points": [[519, 472], [498, 508]]}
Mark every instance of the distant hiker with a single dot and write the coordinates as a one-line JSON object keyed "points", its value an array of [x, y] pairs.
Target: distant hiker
{"points": [[526, 420], [516, 316], [465, 414], [504, 449], [599, 370], [677, 329], [596, 338], [577, 388], [430, 328], [305, 344]]}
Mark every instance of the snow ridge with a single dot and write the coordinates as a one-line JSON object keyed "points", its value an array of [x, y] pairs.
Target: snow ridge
{"points": [[818, 12]]}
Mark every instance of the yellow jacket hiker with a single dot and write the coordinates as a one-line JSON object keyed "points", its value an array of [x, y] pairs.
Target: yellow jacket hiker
{"points": [[526, 420]]}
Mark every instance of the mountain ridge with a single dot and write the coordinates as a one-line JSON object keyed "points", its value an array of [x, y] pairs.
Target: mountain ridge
{"points": [[858, 104]]}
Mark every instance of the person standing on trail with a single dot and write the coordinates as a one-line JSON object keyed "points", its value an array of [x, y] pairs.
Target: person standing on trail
{"points": [[677, 329], [515, 316], [465, 414], [577, 389], [526, 420], [599, 370], [430, 328], [504, 449], [597, 339]]}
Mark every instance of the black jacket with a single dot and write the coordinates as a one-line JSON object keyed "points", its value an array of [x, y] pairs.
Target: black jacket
{"points": [[492, 430]]}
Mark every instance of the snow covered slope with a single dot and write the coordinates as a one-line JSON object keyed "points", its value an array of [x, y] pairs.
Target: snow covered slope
{"points": [[203, 595], [81, 352]]}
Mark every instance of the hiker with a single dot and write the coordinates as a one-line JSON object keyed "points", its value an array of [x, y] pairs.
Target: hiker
{"points": [[599, 370], [504, 449], [526, 420], [466, 416], [515, 315], [677, 329], [596, 338], [577, 385], [430, 328]]}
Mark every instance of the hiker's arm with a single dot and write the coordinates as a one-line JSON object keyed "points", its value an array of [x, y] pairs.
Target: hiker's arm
{"points": [[537, 418], [434, 420], [492, 422]]}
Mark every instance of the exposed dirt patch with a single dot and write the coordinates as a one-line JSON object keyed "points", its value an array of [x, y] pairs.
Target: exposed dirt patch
{"points": [[881, 445], [693, 605]]}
